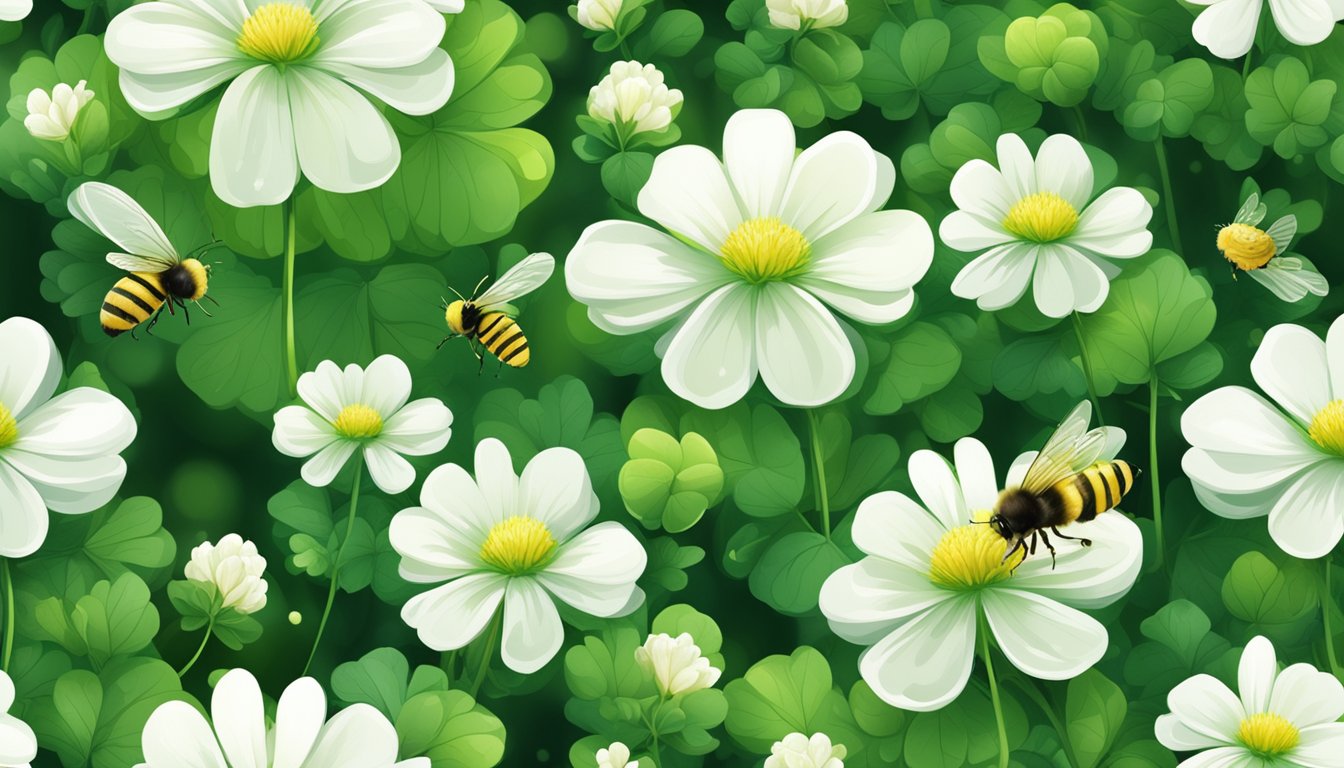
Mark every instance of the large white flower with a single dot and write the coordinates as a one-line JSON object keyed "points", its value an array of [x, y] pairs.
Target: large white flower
{"points": [[295, 66], [361, 409], [234, 569], [18, 743], [797, 750], [1227, 27], [58, 453], [1282, 719], [762, 242], [1035, 218], [516, 542], [930, 574], [1282, 457], [178, 736], [15, 10]]}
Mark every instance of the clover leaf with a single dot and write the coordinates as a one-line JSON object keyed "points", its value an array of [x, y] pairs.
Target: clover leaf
{"points": [[1053, 57], [1288, 109], [780, 695], [669, 483]]}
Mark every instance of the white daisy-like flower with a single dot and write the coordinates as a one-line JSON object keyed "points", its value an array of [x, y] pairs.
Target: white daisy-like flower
{"points": [[361, 409], [1282, 719], [1283, 456], [807, 14], [293, 68], [598, 15], [15, 10], [52, 115], [18, 743], [676, 664], [1035, 218], [931, 573], [516, 544], [634, 99], [1260, 252], [765, 247], [616, 756], [797, 750], [234, 569], [178, 735], [1227, 27], [57, 452]]}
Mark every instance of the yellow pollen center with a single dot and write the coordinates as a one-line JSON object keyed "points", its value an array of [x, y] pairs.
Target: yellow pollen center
{"points": [[359, 422], [1245, 246], [9, 427], [969, 557], [1043, 217], [765, 249], [518, 545], [1327, 427], [280, 33], [1268, 735]]}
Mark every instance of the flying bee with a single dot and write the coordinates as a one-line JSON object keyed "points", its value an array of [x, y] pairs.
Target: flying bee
{"points": [[159, 277], [488, 318], [1262, 253], [1069, 481]]}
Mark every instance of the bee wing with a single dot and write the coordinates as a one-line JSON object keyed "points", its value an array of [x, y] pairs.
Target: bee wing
{"points": [[1282, 232], [113, 214], [1290, 279], [1071, 449], [1252, 211], [525, 277]]}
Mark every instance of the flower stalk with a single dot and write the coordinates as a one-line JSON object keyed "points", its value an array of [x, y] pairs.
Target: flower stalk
{"points": [[209, 629], [336, 566], [287, 308]]}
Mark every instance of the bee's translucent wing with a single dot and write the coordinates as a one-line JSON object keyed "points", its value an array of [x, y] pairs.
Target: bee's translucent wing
{"points": [[1290, 279], [1252, 211], [1282, 232], [1069, 450], [113, 214], [525, 277]]}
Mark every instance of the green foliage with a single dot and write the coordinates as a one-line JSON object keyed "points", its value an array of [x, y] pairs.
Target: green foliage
{"points": [[782, 694], [1287, 108], [1054, 57], [668, 483]]}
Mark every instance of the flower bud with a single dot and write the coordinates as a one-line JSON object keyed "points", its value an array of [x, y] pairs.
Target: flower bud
{"points": [[798, 751], [599, 15], [234, 568], [616, 756], [633, 96], [295, 618], [51, 116], [816, 14], [676, 664]]}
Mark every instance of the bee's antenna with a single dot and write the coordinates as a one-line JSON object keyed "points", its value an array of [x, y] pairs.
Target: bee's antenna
{"points": [[477, 289], [455, 293]]}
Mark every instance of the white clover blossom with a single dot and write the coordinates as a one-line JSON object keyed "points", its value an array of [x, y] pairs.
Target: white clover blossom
{"points": [[51, 116], [1227, 27], [811, 14], [234, 568], [18, 743], [615, 756], [633, 98], [676, 664], [15, 10], [797, 750], [598, 15]]}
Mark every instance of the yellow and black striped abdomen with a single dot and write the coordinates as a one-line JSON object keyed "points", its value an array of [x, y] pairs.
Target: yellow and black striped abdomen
{"points": [[1096, 489], [500, 334], [131, 301]]}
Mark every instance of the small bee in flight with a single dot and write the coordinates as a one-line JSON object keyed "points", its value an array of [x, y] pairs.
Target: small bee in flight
{"points": [[159, 277], [488, 317], [1069, 481]]}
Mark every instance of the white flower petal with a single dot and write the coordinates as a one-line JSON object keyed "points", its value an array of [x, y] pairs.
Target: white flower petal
{"points": [[866, 600], [596, 571], [457, 500], [417, 89], [758, 147], [1306, 696], [300, 432], [1304, 22], [937, 486], [831, 184], [1086, 577], [975, 473], [804, 356], [1174, 735], [1017, 472], [240, 720], [386, 385], [18, 743], [1223, 757], [924, 664], [968, 232], [1017, 166], [30, 367], [998, 277], [499, 486], [1292, 368], [377, 33], [866, 267], [451, 616], [299, 716], [83, 422], [1321, 746], [1237, 506], [177, 736], [1308, 519], [347, 145], [357, 735], [980, 190], [15, 10], [70, 486], [711, 360], [532, 632], [1115, 225], [1066, 281], [1236, 420], [1043, 638], [1334, 352], [1063, 167], [419, 428], [168, 38], [390, 472], [556, 490], [1256, 673], [320, 470], [688, 193], [433, 548], [323, 389], [893, 527], [1227, 28], [253, 160], [1207, 707]]}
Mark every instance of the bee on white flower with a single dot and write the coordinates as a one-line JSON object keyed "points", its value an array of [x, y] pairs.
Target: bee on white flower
{"points": [[1260, 253], [634, 100], [807, 14], [676, 664], [51, 116], [234, 568], [798, 751], [616, 756]]}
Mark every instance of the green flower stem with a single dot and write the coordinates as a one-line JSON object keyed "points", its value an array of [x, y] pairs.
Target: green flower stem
{"points": [[287, 308], [340, 551], [1087, 367], [994, 694], [1327, 601], [1082, 122], [8, 646], [209, 629], [448, 661], [819, 466], [1168, 198], [491, 639], [1152, 467], [1028, 686]]}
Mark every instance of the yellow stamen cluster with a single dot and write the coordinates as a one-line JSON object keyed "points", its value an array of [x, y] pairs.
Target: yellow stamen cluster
{"points": [[1327, 427], [765, 249], [1268, 735], [1245, 246], [969, 557], [279, 32], [359, 422], [1043, 217], [9, 427], [518, 545]]}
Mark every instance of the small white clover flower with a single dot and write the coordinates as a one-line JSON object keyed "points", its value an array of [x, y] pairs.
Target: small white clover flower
{"points": [[634, 99], [616, 756], [52, 115], [676, 664], [234, 568], [799, 751], [814, 14], [1228, 27], [599, 15]]}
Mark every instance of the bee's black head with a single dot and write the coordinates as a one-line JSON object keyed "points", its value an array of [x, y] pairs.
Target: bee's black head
{"points": [[1016, 513], [999, 525]]}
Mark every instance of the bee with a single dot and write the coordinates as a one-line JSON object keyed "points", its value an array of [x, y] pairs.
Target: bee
{"points": [[1069, 481], [159, 277], [487, 318]]}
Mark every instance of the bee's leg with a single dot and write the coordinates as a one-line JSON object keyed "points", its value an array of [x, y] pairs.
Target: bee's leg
{"points": [[1084, 542], [203, 310], [1033, 543], [1017, 544], [500, 369], [481, 368], [153, 321], [447, 339], [185, 312], [213, 300], [1048, 546]]}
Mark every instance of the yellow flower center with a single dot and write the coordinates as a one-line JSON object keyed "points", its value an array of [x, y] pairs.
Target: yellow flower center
{"points": [[1268, 734], [279, 32], [761, 250], [1043, 217], [1326, 430], [969, 557], [9, 427], [1245, 246], [518, 545], [359, 422]]}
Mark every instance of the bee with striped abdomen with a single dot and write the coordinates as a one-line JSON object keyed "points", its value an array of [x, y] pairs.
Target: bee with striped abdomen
{"points": [[489, 318], [1072, 480]]}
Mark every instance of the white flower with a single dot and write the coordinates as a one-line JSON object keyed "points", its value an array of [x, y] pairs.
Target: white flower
{"points": [[293, 67], [57, 453], [930, 573], [1260, 252], [234, 568], [1283, 719], [18, 744], [51, 115], [634, 99], [354, 409], [1040, 229], [1227, 27], [1282, 457], [516, 542], [798, 751], [676, 664], [598, 15], [815, 14], [764, 242], [15, 10], [302, 736], [616, 756]]}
